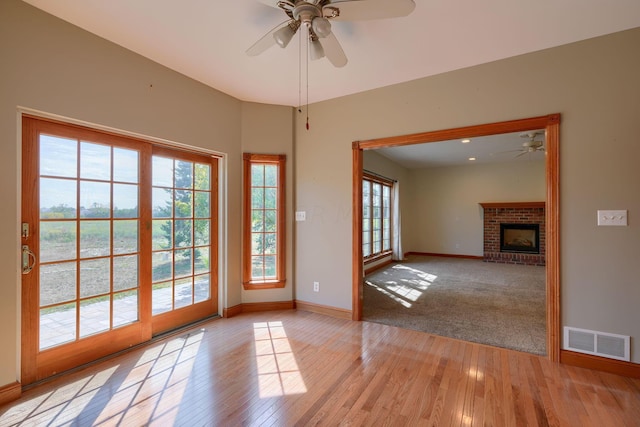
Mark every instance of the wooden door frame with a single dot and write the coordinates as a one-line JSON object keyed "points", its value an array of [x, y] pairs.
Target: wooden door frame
{"points": [[35, 367], [35, 363], [551, 124]]}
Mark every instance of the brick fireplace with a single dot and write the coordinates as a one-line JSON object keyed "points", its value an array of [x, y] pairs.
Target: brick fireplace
{"points": [[514, 233]]}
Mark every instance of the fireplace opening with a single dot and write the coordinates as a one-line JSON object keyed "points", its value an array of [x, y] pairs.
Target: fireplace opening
{"points": [[520, 238]]}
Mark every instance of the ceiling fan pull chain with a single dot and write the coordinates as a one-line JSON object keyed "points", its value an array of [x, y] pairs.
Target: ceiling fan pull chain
{"points": [[307, 93], [300, 72], [307, 56]]}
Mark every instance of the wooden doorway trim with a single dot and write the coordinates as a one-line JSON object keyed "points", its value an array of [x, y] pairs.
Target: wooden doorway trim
{"points": [[551, 124]]}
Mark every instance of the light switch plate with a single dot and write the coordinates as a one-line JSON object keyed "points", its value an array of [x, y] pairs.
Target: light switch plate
{"points": [[301, 216], [618, 217]]}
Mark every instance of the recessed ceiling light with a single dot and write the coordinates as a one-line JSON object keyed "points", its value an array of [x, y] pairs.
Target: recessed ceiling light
{"points": [[472, 158], [465, 141]]}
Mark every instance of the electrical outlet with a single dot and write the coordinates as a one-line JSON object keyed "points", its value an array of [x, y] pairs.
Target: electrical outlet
{"points": [[301, 216], [316, 286]]}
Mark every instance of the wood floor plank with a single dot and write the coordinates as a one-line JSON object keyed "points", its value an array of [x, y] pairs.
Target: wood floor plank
{"points": [[407, 378], [422, 387], [492, 410], [539, 386], [289, 368], [375, 385]]}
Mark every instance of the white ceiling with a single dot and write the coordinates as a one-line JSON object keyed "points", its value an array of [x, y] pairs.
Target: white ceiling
{"points": [[501, 148], [206, 40]]}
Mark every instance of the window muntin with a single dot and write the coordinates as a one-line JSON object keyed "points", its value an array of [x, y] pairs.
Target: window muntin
{"points": [[263, 227], [181, 229], [88, 240], [376, 216]]}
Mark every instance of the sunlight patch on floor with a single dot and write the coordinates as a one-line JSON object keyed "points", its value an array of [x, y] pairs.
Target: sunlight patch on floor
{"points": [[405, 289], [420, 284], [60, 406], [278, 372], [382, 290], [154, 388], [420, 274]]}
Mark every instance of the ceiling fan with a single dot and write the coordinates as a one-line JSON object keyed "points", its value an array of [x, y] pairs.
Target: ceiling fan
{"points": [[531, 145], [316, 17]]}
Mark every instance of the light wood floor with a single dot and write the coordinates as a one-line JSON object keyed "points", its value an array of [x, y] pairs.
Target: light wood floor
{"points": [[297, 368]]}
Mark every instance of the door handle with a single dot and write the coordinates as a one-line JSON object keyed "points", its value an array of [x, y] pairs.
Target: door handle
{"points": [[28, 259]]}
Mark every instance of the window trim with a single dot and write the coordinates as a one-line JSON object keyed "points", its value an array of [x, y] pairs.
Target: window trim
{"points": [[280, 280], [384, 252]]}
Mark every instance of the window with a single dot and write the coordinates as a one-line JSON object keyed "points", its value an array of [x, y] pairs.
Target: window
{"points": [[376, 216], [264, 221]]}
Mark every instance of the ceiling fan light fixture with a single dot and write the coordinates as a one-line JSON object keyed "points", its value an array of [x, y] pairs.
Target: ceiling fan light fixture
{"points": [[284, 35], [321, 26], [316, 16]]}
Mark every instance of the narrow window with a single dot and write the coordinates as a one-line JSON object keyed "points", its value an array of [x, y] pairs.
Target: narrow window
{"points": [[264, 221], [376, 217]]}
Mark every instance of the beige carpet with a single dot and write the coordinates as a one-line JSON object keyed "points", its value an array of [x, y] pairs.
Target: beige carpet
{"points": [[501, 305]]}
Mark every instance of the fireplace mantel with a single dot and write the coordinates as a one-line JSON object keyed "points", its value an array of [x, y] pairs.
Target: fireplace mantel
{"points": [[512, 205]]}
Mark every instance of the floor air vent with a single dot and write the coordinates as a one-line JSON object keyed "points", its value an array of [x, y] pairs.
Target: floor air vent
{"points": [[597, 343]]}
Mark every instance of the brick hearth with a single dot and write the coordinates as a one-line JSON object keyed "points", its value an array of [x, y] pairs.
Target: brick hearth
{"points": [[512, 213]]}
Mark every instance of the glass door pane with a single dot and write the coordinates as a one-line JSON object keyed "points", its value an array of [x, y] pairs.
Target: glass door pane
{"points": [[89, 239], [181, 231]]}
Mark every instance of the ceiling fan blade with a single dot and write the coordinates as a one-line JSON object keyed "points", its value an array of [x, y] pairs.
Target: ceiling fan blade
{"points": [[363, 10], [266, 41], [315, 50], [333, 51], [521, 154]]}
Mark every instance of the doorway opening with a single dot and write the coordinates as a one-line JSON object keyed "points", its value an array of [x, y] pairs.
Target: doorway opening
{"points": [[551, 126]]}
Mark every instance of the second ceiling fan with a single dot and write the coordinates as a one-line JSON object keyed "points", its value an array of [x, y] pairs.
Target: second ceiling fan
{"points": [[531, 145], [316, 16]]}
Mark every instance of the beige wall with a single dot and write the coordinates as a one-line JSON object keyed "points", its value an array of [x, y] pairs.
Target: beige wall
{"points": [[268, 129], [53, 67], [447, 216], [594, 85]]}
